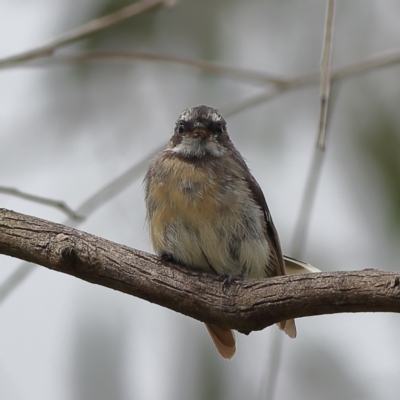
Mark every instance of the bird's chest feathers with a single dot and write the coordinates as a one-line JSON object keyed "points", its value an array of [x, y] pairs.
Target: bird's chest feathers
{"points": [[187, 190]]}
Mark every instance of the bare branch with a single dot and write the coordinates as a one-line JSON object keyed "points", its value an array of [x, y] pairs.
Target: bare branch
{"points": [[326, 73], [95, 201], [84, 31], [378, 61], [245, 306], [43, 200], [117, 185], [15, 279], [132, 56], [307, 204]]}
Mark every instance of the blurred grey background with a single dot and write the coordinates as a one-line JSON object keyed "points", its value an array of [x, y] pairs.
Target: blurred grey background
{"points": [[68, 129]]}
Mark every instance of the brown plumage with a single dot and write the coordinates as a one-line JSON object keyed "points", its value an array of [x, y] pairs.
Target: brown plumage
{"points": [[206, 210]]}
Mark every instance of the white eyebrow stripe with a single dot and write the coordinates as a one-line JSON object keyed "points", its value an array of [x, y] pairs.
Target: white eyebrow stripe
{"points": [[185, 116], [214, 116], [192, 113]]}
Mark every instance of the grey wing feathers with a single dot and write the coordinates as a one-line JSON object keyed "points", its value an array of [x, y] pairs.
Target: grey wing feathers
{"points": [[276, 263]]}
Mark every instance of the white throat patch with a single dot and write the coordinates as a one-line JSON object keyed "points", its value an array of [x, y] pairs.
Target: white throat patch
{"points": [[196, 147]]}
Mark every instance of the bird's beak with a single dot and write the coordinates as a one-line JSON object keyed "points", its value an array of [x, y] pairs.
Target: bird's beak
{"points": [[200, 131]]}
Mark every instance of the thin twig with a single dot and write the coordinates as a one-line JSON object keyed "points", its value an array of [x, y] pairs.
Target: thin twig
{"points": [[131, 56], [382, 60], [252, 101], [310, 189], [84, 31], [307, 205], [90, 205], [326, 73], [43, 200], [117, 185], [314, 174], [378, 61], [12, 281]]}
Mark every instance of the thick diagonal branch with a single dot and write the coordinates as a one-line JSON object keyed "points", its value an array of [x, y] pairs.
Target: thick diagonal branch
{"points": [[245, 306]]}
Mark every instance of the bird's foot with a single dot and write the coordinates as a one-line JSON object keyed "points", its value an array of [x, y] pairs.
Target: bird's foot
{"points": [[229, 279]]}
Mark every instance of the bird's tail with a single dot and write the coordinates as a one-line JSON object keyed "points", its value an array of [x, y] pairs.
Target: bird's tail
{"points": [[293, 267], [224, 340], [289, 327]]}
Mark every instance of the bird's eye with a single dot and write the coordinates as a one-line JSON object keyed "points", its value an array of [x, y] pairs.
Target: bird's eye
{"points": [[219, 128], [181, 128]]}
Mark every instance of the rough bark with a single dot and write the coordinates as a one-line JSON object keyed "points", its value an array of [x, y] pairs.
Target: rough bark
{"points": [[245, 306]]}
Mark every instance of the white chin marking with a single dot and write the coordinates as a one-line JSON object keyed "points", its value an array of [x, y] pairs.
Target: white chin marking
{"points": [[190, 147]]}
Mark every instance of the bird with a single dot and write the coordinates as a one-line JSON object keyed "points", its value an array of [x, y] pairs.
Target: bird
{"points": [[206, 211]]}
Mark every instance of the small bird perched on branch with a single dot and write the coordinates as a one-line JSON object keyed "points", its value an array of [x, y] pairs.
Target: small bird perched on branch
{"points": [[206, 210]]}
